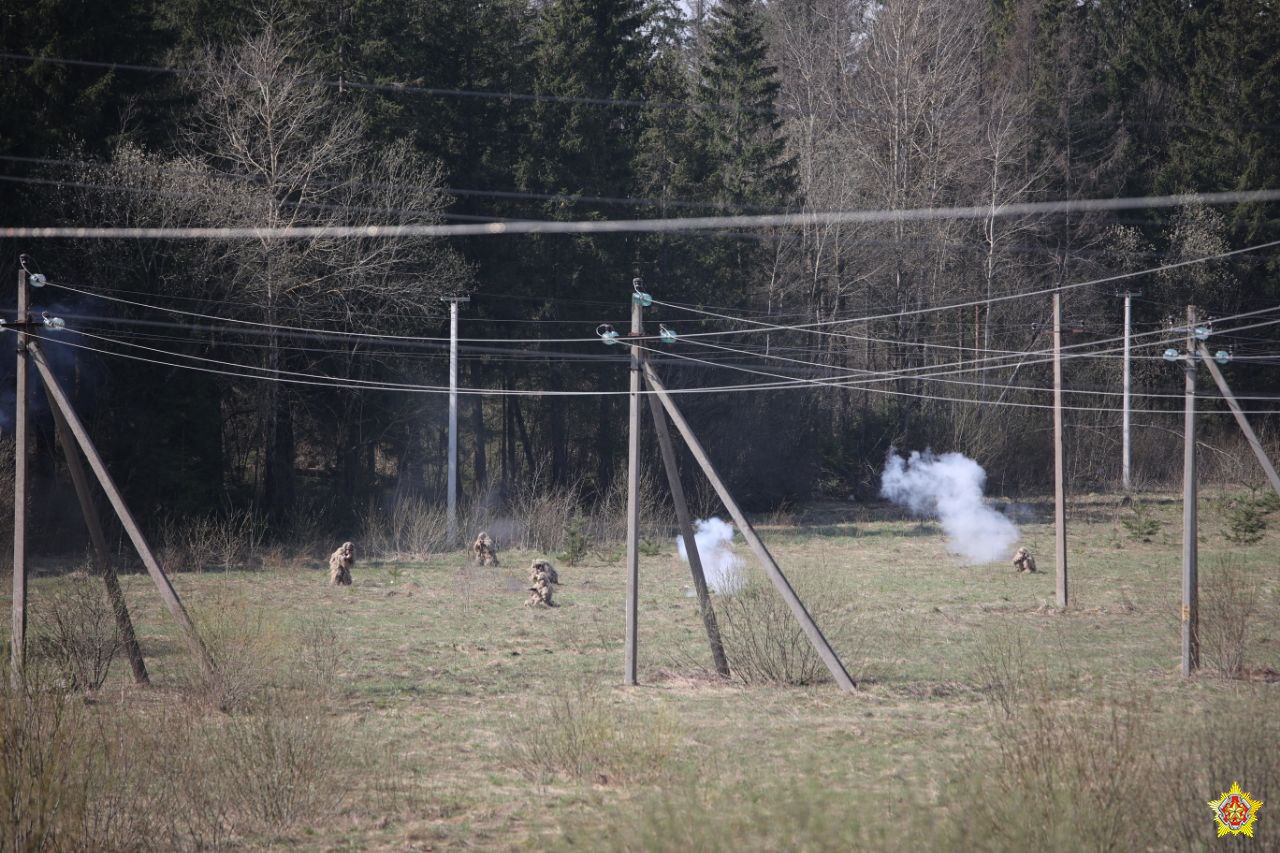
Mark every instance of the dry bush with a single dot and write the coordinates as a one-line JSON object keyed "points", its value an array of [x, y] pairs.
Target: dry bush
{"points": [[536, 517], [539, 514], [1111, 774], [576, 735], [607, 520], [1002, 671], [320, 653], [1237, 739], [235, 538], [765, 643], [274, 765], [224, 541], [413, 529], [1062, 777], [160, 775], [76, 633], [1229, 606], [43, 749], [252, 652]]}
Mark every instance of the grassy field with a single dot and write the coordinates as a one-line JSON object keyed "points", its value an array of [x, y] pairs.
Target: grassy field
{"points": [[425, 707]]}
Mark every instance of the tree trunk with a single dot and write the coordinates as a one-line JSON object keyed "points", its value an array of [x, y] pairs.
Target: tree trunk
{"points": [[556, 430], [278, 470], [481, 438], [605, 430], [524, 436]]}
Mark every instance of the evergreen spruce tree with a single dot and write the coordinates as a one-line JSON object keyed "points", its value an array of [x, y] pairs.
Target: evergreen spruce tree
{"points": [[745, 163], [589, 51], [1231, 113]]}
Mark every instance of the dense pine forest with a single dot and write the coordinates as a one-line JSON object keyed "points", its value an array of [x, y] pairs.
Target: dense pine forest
{"points": [[350, 112]]}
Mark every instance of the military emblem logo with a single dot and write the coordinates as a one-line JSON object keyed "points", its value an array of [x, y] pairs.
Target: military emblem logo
{"points": [[1235, 812]]}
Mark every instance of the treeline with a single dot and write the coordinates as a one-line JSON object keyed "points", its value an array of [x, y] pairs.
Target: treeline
{"points": [[188, 112]]}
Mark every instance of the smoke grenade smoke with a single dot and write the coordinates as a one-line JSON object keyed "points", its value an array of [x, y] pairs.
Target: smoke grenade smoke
{"points": [[949, 487], [721, 566]]}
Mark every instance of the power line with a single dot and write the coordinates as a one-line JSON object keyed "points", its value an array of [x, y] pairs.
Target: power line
{"points": [[641, 226], [296, 377], [618, 103], [758, 326]]}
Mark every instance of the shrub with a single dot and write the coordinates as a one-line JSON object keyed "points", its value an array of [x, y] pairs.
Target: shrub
{"points": [[796, 812], [43, 750], [76, 632], [194, 543], [1061, 777], [1002, 671], [274, 765], [1110, 774], [1229, 605], [250, 649], [576, 735], [320, 653], [765, 643]]}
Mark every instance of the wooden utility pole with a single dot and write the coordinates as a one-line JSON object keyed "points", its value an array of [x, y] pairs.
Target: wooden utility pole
{"points": [[780, 582], [633, 493], [18, 626], [1059, 489], [1249, 434], [58, 399], [686, 532], [1190, 547], [453, 415], [101, 550]]}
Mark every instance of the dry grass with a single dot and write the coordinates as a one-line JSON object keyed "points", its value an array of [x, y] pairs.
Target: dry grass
{"points": [[578, 734], [426, 707]]}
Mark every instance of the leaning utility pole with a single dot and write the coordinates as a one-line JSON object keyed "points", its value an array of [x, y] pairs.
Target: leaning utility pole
{"points": [[1190, 547], [1059, 490], [18, 627], [453, 413], [811, 630], [1241, 420], [659, 400], [1125, 478]]}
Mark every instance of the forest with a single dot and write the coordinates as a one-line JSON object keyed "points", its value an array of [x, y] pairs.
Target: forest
{"points": [[177, 113]]}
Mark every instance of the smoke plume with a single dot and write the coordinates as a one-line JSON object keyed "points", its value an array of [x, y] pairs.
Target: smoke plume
{"points": [[949, 487], [721, 566]]}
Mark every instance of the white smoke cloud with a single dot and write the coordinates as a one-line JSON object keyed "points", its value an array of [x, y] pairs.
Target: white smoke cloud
{"points": [[949, 487], [722, 567]]}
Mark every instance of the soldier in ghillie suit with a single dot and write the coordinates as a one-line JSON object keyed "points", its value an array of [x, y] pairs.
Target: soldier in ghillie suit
{"points": [[1023, 561], [543, 567], [542, 576], [484, 552], [340, 563]]}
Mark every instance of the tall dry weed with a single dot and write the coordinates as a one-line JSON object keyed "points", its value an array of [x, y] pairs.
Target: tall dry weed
{"points": [[253, 652], [578, 735], [765, 643], [1230, 599]]}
